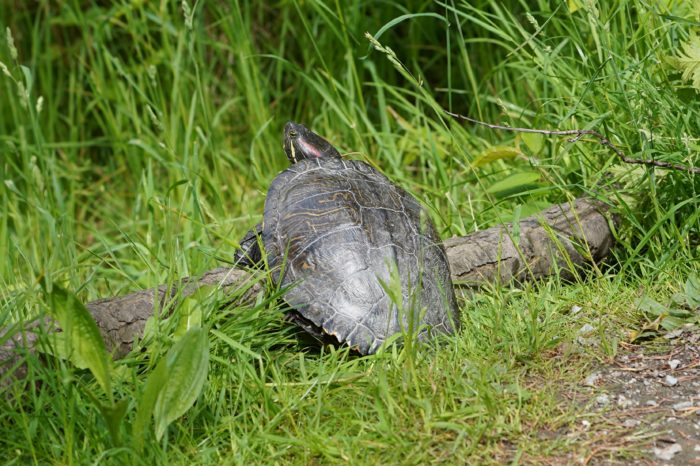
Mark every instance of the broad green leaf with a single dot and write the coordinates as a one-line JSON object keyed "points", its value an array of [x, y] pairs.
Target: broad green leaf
{"points": [[189, 310], [61, 348], [113, 415], [496, 153], [514, 184], [533, 141], [651, 307], [82, 341], [666, 317], [692, 290], [154, 383], [671, 323], [680, 299], [642, 334], [649, 329], [187, 364], [681, 313], [190, 316]]}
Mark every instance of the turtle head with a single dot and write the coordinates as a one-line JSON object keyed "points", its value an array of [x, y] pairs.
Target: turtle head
{"points": [[301, 143]]}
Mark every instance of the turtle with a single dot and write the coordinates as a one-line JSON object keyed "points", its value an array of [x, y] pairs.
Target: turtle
{"points": [[358, 256]]}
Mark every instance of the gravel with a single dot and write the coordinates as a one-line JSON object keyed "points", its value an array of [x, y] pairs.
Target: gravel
{"points": [[652, 394], [668, 453]]}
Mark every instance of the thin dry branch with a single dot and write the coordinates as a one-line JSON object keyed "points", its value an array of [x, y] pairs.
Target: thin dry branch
{"points": [[578, 134]]}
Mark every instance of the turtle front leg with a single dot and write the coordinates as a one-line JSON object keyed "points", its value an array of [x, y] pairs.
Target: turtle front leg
{"points": [[249, 253]]}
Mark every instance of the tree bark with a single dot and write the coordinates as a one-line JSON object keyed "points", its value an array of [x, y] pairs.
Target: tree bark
{"points": [[565, 239]]}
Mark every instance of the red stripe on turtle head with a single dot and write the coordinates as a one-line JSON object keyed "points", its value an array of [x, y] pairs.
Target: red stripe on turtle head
{"points": [[309, 150]]}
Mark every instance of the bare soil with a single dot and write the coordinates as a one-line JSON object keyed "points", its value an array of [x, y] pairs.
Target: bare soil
{"points": [[644, 405]]}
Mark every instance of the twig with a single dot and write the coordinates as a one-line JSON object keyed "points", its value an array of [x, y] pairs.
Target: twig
{"points": [[578, 134]]}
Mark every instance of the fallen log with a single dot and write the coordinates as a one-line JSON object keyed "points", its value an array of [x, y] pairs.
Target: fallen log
{"points": [[565, 239]]}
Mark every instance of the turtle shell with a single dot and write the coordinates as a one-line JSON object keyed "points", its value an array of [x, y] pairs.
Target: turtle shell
{"points": [[333, 231]]}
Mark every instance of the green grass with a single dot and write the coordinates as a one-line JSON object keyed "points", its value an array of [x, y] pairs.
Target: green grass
{"points": [[156, 138]]}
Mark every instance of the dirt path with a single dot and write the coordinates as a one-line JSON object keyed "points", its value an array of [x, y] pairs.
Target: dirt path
{"points": [[649, 397]]}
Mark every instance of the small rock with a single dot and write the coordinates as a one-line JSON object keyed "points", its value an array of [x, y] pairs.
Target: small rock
{"points": [[603, 399], [671, 380], [586, 329], [674, 363], [575, 309], [629, 423], [588, 341], [674, 334], [697, 448], [586, 424], [651, 403], [592, 380], [683, 405], [668, 453], [624, 402]]}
